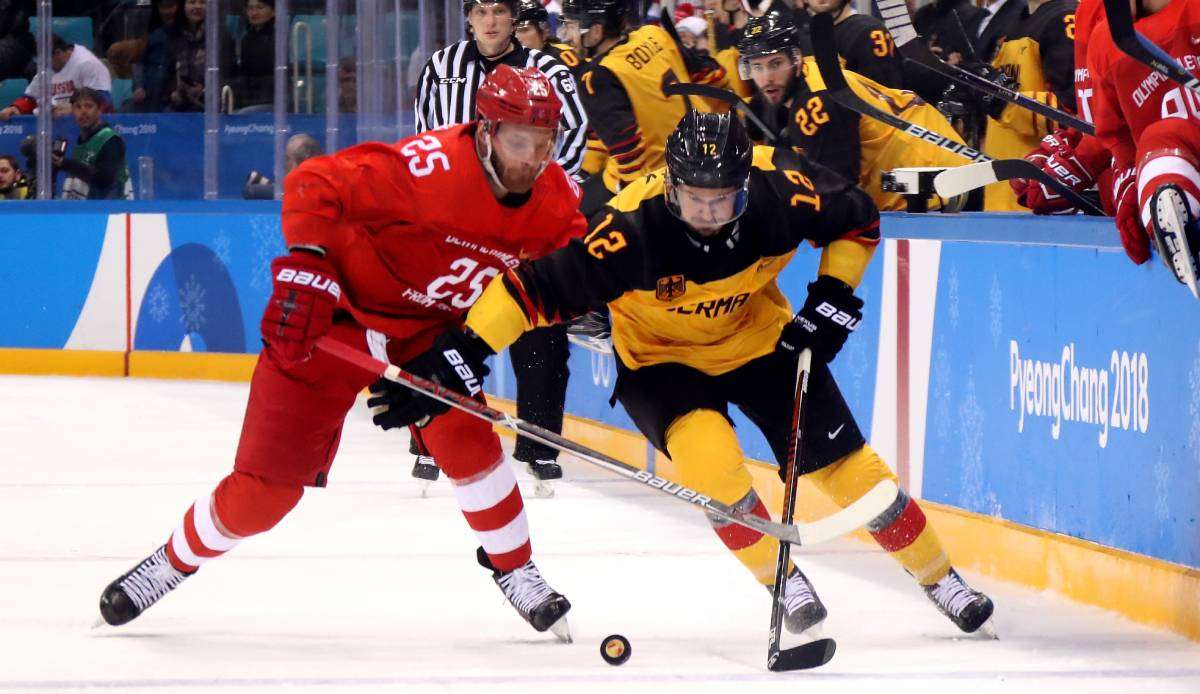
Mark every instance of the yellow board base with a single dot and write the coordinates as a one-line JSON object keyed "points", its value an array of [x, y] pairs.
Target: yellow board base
{"points": [[1141, 588]]}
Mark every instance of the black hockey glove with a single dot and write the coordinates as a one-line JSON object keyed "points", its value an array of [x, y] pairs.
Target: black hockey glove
{"points": [[455, 361], [827, 318], [987, 104]]}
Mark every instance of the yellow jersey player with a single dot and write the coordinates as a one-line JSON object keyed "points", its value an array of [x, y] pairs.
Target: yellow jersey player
{"points": [[862, 41], [686, 260], [1037, 59], [790, 102], [622, 89]]}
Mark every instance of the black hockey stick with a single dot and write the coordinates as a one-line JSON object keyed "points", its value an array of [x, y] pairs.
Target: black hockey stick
{"points": [[835, 525], [1141, 49], [913, 49], [707, 91], [826, 56], [819, 652]]}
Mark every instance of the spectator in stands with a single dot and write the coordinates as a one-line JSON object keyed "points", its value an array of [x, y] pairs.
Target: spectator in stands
{"points": [[74, 67], [254, 83], [693, 34], [300, 148], [13, 184], [17, 46], [151, 76], [121, 36], [96, 169], [190, 62]]}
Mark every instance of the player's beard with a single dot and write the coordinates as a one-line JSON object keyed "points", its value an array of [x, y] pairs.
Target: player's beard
{"points": [[518, 177]]}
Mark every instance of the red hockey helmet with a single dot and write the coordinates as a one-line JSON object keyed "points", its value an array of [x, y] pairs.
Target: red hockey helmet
{"points": [[523, 96]]}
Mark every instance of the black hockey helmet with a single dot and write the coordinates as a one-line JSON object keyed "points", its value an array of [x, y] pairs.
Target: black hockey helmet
{"points": [[709, 150], [532, 12], [610, 13], [773, 32], [510, 4]]}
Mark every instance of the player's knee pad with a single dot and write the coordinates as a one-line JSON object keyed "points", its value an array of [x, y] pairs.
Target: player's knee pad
{"points": [[463, 445], [246, 504], [705, 450], [846, 480]]}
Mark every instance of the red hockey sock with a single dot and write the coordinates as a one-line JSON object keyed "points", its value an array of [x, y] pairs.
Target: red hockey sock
{"points": [[242, 505]]}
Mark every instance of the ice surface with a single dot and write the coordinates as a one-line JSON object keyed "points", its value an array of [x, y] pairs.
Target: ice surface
{"points": [[365, 587]]}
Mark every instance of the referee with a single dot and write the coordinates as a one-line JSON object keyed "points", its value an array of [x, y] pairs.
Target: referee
{"points": [[446, 96], [446, 88]]}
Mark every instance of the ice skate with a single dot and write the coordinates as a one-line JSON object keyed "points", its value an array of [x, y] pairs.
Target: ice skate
{"points": [[969, 609], [532, 597], [544, 473], [803, 610], [1176, 236], [426, 471], [142, 586]]}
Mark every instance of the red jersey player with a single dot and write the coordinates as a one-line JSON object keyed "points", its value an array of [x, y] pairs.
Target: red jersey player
{"points": [[389, 245], [1152, 127]]}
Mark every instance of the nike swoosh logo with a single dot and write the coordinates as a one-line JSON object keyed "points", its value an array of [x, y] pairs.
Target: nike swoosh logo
{"points": [[834, 434]]}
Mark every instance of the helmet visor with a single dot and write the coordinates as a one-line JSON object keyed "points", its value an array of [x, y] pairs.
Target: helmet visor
{"points": [[706, 209], [767, 66]]}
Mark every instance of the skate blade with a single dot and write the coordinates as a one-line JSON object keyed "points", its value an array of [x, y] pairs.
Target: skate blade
{"points": [[99, 623], [562, 629], [543, 489], [987, 631], [423, 488]]}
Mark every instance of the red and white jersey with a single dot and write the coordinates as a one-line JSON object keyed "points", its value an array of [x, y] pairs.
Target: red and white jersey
{"points": [[83, 69], [1130, 96], [415, 232], [1088, 13]]}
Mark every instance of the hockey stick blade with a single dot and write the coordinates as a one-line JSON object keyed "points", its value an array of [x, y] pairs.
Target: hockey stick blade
{"points": [[844, 521], [835, 83], [1141, 49], [899, 24], [964, 179], [805, 657], [707, 91]]}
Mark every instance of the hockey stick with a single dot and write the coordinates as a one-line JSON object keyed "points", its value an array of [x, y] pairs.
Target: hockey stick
{"points": [[835, 525], [708, 91], [818, 652], [899, 23], [1141, 49], [839, 90], [964, 179]]}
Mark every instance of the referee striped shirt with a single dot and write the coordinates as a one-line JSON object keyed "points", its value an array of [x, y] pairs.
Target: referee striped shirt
{"points": [[446, 93]]}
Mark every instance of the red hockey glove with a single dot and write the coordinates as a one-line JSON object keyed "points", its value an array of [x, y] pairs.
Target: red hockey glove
{"points": [[1056, 156], [1129, 223], [301, 306]]}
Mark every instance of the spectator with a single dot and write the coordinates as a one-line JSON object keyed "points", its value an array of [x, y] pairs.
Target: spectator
{"points": [[13, 184], [190, 62], [300, 148], [17, 46], [121, 36], [96, 170], [151, 76], [74, 68], [693, 34], [255, 76]]}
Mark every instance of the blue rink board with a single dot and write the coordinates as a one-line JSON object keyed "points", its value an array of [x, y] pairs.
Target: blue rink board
{"points": [[999, 307]]}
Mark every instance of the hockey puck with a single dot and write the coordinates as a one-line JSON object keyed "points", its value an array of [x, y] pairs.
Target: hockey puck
{"points": [[615, 649]]}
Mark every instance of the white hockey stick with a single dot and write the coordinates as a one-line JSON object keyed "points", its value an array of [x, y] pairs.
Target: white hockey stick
{"points": [[833, 526]]}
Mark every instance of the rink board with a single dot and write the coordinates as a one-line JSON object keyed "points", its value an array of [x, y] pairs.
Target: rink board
{"points": [[1052, 393]]}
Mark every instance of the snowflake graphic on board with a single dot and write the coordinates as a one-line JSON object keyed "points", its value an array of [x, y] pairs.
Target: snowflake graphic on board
{"points": [[996, 309], [970, 416], [952, 297], [156, 303], [268, 243], [1194, 408], [941, 394], [192, 308], [222, 248]]}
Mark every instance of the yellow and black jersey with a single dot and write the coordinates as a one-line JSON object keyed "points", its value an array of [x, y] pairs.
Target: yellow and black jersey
{"points": [[868, 49], [623, 95], [567, 56], [858, 148], [1040, 55], [675, 297], [596, 154]]}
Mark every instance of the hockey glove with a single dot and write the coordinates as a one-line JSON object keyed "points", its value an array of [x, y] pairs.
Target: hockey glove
{"points": [[1056, 156], [1133, 236], [301, 306], [829, 315], [455, 361]]}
